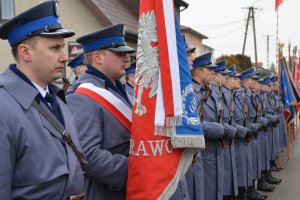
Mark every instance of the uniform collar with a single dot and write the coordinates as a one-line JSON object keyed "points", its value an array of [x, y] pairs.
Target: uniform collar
{"points": [[129, 85], [12, 79], [196, 86], [42, 91], [226, 90], [18, 86], [214, 87]]}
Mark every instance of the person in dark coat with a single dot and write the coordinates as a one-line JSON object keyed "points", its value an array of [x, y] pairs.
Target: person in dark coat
{"points": [[38, 160]]}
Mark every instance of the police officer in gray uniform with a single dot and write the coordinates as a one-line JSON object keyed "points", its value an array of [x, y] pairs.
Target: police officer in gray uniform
{"points": [[270, 140], [213, 155], [130, 82], [245, 96], [224, 93], [283, 140], [261, 99], [277, 107], [194, 175], [39, 149], [78, 66], [241, 140], [104, 139]]}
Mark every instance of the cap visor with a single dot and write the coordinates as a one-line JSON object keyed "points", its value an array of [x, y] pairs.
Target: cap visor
{"points": [[224, 72], [122, 49], [190, 48], [210, 66], [237, 74], [59, 32], [254, 77]]}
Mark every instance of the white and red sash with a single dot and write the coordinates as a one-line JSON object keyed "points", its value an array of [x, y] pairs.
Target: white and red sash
{"points": [[109, 101]]}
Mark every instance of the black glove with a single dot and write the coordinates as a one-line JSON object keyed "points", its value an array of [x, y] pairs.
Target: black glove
{"points": [[249, 133], [277, 119], [260, 127]]}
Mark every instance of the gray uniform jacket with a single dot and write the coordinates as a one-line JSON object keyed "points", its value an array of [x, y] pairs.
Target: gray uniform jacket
{"points": [[194, 175], [264, 144], [105, 142], [130, 92], [276, 129], [230, 174], [36, 163], [256, 142], [283, 139], [242, 155], [244, 96], [213, 154]]}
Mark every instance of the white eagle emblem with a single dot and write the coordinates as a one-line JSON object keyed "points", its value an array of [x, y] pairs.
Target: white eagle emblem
{"points": [[147, 72]]}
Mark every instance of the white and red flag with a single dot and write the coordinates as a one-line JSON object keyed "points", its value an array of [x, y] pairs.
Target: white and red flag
{"points": [[166, 130]]}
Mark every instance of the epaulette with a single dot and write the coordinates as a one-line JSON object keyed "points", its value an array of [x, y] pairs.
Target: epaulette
{"points": [[238, 93], [72, 88], [240, 97]]}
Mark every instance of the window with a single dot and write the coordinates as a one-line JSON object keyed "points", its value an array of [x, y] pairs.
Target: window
{"points": [[7, 9]]}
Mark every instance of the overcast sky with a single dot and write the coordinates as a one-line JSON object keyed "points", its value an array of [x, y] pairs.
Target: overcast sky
{"points": [[223, 22]]}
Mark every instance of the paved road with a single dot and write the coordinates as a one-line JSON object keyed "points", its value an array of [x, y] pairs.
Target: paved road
{"points": [[289, 188]]}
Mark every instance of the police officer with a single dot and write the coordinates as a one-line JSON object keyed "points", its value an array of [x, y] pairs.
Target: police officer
{"points": [[246, 97], [277, 108], [213, 155], [36, 160], [78, 66], [130, 82], [104, 139], [190, 50], [283, 139], [273, 120], [224, 97], [230, 172], [262, 109], [241, 140], [194, 175]]}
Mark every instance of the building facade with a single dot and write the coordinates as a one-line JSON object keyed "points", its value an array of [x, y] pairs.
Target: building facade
{"points": [[85, 16]]}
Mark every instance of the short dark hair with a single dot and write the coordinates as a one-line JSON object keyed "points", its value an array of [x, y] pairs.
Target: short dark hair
{"points": [[30, 41]]}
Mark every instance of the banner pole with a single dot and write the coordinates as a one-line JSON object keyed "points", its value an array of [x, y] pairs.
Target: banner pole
{"points": [[289, 141]]}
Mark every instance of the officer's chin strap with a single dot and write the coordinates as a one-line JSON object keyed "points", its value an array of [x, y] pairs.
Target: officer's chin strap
{"points": [[67, 137]]}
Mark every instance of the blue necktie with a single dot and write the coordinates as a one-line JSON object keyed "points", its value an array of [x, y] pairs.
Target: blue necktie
{"points": [[54, 105]]}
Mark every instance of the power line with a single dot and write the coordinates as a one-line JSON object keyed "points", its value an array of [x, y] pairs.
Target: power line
{"points": [[225, 34], [217, 25]]}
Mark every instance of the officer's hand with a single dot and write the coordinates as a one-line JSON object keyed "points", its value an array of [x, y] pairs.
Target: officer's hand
{"points": [[277, 119], [249, 133]]}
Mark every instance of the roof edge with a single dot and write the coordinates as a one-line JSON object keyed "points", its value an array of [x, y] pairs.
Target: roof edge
{"points": [[185, 28], [97, 13]]}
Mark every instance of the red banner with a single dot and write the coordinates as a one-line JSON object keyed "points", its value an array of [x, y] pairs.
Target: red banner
{"points": [[277, 4], [160, 152], [297, 79]]}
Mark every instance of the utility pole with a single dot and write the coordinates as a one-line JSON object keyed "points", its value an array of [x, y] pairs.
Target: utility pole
{"points": [[268, 49], [251, 16]]}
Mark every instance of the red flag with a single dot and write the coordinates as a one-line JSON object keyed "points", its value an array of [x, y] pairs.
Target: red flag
{"points": [[277, 4], [162, 141], [297, 79]]}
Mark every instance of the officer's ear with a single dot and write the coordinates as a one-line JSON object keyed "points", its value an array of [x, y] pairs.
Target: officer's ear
{"points": [[24, 52], [98, 56], [132, 77]]}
